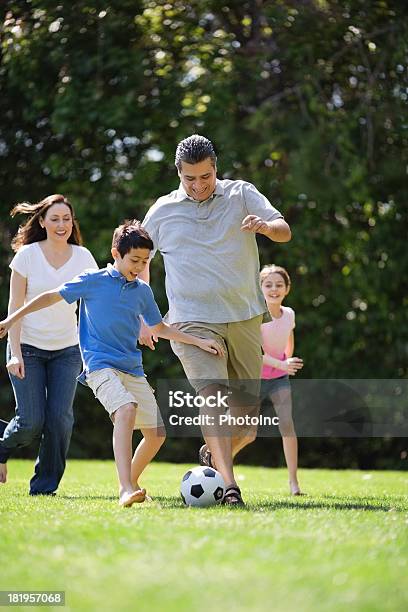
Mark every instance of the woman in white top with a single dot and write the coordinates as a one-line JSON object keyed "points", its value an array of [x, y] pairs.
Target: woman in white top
{"points": [[43, 358]]}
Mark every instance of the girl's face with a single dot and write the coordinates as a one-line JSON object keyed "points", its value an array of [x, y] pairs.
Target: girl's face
{"points": [[274, 288], [58, 222]]}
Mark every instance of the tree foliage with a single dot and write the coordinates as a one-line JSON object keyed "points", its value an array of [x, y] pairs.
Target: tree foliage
{"points": [[308, 100]]}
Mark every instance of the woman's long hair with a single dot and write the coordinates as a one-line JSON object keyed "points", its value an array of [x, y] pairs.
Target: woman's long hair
{"points": [[32, 231]]}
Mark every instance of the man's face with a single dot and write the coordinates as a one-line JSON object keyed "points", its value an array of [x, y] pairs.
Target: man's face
{"points": [[132, 263], [198, 179]]}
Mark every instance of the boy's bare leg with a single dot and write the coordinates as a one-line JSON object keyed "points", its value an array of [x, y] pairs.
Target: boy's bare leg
{"points": [[3, 473], [124, 420], [146, 449]]}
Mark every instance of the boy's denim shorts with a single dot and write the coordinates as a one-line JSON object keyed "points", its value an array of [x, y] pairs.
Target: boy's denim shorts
{"points": [[115, 389]]}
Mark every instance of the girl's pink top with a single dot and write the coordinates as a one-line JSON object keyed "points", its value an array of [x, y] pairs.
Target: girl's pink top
{"points": [[275, 336]]}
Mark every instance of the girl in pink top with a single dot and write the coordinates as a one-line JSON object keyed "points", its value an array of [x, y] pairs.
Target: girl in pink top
{"points": [[278, 363]]}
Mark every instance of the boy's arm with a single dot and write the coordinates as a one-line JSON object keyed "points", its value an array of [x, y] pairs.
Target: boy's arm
{"points": [[169, 333], [48, 298]]}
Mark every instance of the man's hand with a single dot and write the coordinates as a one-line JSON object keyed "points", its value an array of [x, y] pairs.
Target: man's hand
{"points": [[15, 366], [146, 337], [4, 327], [254, 224], [211, 346]]}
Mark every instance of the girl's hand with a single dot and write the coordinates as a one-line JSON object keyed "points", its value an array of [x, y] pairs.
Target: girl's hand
{"points": [[292, 365], [211, 346], [15, 366]]}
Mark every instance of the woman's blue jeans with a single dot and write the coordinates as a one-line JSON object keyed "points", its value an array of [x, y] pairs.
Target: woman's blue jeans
{"points": [[44, 399]]}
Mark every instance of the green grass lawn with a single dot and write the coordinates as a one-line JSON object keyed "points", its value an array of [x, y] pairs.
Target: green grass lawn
{"points": [[341, 547]]}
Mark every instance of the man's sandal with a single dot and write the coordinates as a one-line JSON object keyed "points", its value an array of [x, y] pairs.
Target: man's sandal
{"points": [[205, 457], [232, 497]]}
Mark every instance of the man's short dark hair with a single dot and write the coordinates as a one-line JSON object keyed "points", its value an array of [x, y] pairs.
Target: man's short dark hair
{"points": [[131, 235], [193, 150]]}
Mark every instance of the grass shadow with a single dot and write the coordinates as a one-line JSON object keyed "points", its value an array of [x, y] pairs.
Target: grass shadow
{"points": [[329, 505]]}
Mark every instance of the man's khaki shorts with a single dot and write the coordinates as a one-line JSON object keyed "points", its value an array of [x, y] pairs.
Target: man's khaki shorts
{"points": [[242, 361], [115, 389]]}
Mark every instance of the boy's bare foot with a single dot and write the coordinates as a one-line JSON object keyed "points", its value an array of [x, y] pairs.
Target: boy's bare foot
{"points": [[127, 498], [3, 472]]}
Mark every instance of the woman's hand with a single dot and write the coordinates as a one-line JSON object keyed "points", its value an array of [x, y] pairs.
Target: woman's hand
{"points": [[15, 366]]}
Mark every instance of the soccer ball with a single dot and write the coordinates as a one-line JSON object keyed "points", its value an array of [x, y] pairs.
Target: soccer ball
{"points": [[202, 487]]}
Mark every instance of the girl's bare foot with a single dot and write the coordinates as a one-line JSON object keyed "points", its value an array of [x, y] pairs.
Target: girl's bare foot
{"points": [[128, 498], [294, 488], [3, 472]]}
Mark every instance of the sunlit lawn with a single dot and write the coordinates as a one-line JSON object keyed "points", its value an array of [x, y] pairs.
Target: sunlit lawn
{"points": [[341, 547]]}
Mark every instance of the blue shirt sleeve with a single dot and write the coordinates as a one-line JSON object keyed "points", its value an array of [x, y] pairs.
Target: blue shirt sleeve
{"points": [[75, 289], [151, 312]]}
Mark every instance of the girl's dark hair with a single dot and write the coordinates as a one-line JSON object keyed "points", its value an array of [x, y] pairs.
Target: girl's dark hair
{"points": [[271, 269], [131, 235], [32, 231], [194, 150]]}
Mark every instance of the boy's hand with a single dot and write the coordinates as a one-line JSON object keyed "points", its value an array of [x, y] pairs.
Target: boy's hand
{"points": [[211, 346], [4, 327], [15, 366], [145, 336], [292, 365]]}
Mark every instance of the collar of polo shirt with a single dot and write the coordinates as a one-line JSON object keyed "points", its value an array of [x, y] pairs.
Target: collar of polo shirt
{"points": [[116, 274]]}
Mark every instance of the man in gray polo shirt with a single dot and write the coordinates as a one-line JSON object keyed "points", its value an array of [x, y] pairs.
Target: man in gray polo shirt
{"points": [[205, 231]]}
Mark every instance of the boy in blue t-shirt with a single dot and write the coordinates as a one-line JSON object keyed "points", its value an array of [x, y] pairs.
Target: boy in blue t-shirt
{"points": [[111, 303]]}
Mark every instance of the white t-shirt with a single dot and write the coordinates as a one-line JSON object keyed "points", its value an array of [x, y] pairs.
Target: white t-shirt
{"points": [[55, 327]]}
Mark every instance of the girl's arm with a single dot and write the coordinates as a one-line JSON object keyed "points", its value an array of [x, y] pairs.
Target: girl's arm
{"points": [[163, 330], [290, 347], [48, 298], [18, 290]]}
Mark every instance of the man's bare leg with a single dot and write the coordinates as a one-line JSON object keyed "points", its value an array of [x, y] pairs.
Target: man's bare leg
{"points": [[220, 445]]}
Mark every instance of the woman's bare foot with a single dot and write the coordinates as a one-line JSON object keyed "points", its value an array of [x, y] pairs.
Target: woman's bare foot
{"points": [[128, 498], [3, 472]]}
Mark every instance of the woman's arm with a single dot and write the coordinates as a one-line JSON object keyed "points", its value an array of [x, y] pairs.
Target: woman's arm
{"points": [[18, 291]]}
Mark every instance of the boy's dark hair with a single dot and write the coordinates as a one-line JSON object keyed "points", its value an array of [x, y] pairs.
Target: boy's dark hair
{"points": [[193, 150], [131, 235]]}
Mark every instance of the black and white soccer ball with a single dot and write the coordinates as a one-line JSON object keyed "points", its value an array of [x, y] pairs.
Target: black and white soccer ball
{"points": [[202, 487]]}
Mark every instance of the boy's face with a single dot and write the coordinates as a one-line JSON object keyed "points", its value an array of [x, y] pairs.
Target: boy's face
{"points": [[132, 263]]}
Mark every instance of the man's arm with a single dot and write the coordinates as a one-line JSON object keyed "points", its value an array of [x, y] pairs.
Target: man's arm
{"points": [[146, 337], [48, 298], [145, 274], [278, 230]]}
